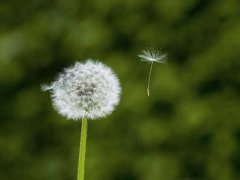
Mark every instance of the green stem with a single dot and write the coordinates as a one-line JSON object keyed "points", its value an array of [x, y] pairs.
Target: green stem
{"points": [[82, 150]]}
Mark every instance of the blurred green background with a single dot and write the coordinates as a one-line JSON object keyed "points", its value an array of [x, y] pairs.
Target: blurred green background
{"points": [[188, 129]]}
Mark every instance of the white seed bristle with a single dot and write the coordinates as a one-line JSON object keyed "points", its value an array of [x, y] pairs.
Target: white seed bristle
{"points": [[153, 55], [86, 90]]}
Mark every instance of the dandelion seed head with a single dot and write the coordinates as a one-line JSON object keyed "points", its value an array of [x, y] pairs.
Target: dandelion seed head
{"points": [[86, 90], [153, 55]]}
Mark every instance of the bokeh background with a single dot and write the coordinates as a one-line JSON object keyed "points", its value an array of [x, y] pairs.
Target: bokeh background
{"points": [[188, 129]]}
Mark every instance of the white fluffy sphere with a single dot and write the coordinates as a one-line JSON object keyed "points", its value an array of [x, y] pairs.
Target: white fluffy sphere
{"points": [[86, 90]]}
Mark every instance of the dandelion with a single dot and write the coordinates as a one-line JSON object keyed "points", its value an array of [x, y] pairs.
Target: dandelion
{"points": [[152, 55], [84, 91]]}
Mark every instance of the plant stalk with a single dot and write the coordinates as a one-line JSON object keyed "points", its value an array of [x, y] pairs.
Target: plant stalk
{"points": [[82, 150]]}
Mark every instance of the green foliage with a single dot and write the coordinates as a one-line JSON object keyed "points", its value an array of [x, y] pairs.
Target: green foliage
{"points": [[189, 128]]}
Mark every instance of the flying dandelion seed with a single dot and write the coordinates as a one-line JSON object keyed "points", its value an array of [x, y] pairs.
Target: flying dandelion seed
{"points": [[85, 91], [152, 55]]}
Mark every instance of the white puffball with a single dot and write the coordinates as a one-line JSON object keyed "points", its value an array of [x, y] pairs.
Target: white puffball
{"points": [[87, 90]]}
